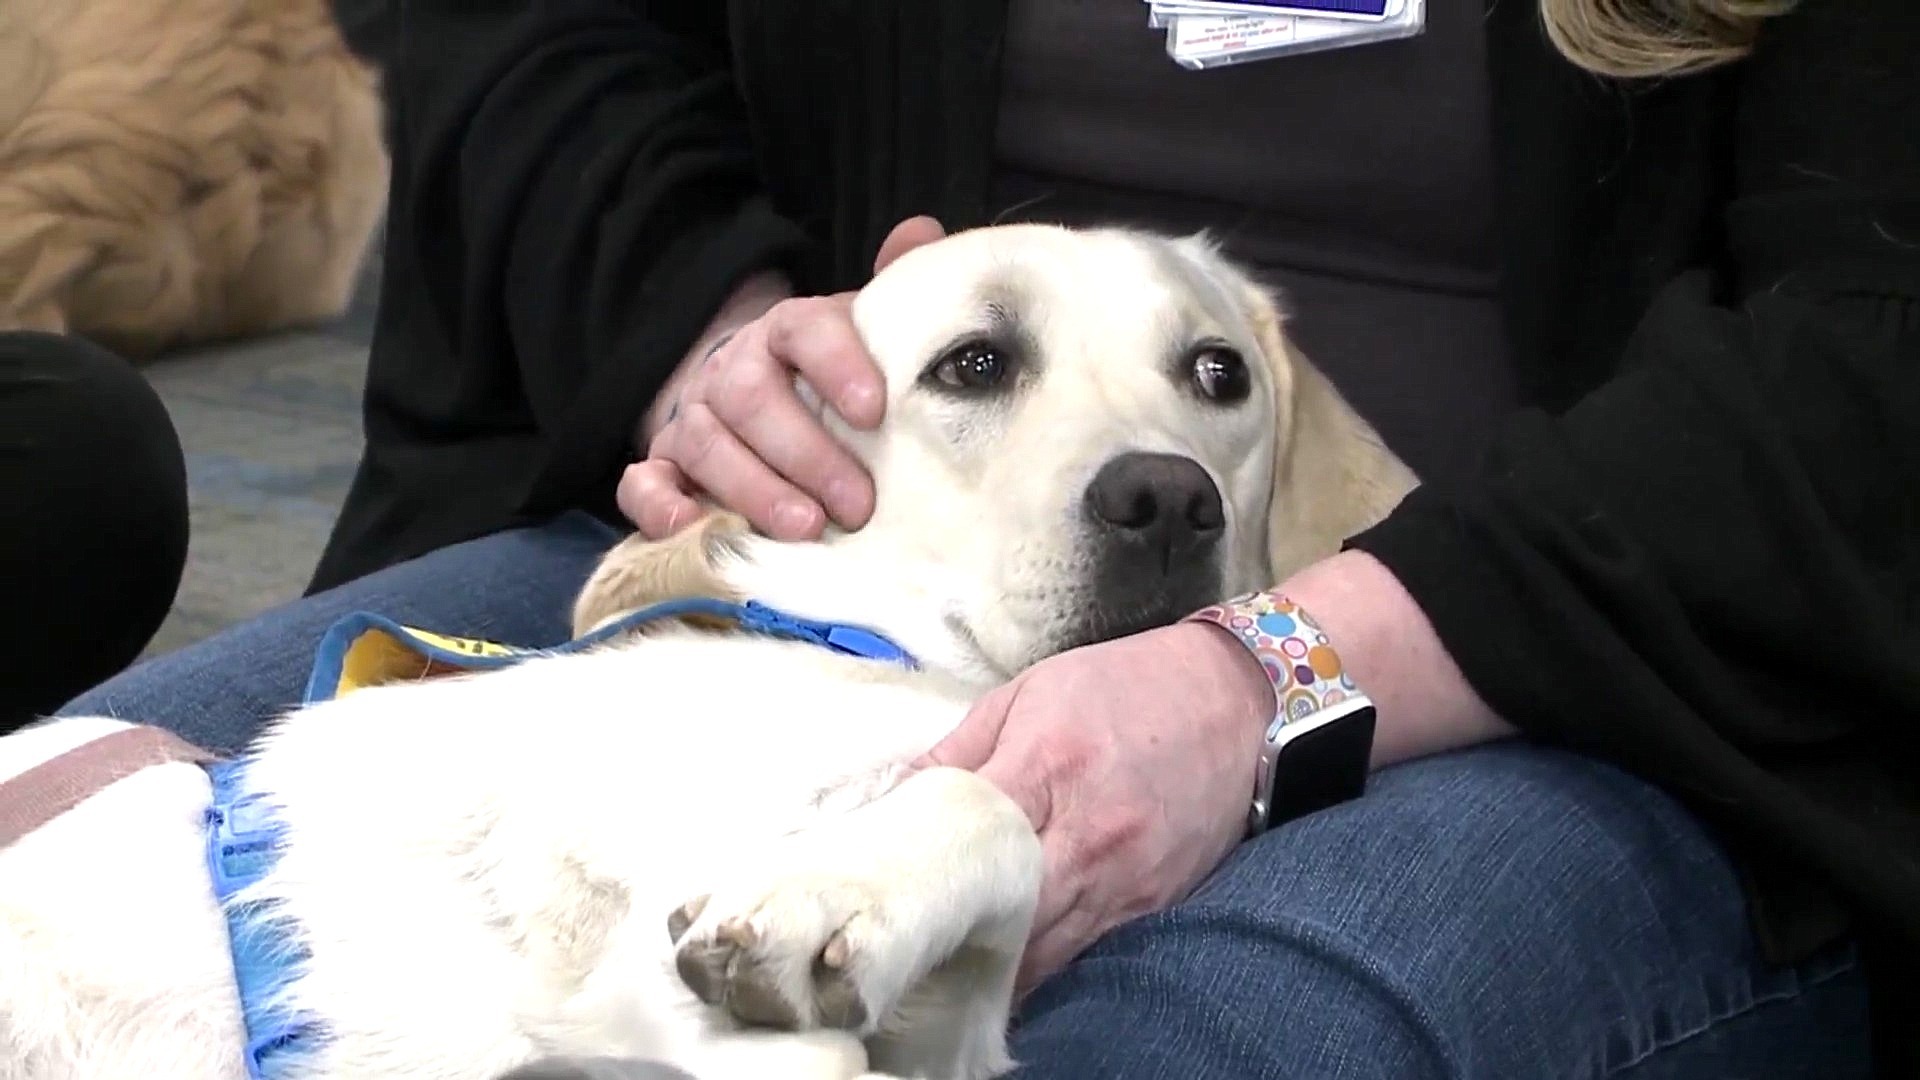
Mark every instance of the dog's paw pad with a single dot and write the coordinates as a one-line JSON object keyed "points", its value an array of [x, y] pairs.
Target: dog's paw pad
{"points": [[835, 996], [754, 997], [704, 967], [786, 961]]}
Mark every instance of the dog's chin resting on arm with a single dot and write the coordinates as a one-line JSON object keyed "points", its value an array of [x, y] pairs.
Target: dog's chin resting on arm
{"points": [[692, 852]]}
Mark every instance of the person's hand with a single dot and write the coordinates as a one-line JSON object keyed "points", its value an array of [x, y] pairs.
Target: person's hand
{"points": [[738, 433], [1135, 760]]}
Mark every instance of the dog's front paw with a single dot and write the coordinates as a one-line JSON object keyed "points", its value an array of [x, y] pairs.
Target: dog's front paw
{"points": [[797, 954]]}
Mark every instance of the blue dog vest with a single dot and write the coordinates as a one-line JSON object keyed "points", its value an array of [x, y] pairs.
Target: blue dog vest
{"points": [[244, 834]]}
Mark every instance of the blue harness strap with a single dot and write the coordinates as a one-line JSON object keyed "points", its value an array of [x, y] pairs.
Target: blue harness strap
{"points": [[244, 835], [243, 843]]}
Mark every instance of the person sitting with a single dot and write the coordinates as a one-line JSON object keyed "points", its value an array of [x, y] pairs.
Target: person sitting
{"points": [[1634, 287]]}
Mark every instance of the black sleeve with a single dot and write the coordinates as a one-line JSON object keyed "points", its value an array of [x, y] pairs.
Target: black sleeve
{"points": [[1708, 570], [574, 194]]}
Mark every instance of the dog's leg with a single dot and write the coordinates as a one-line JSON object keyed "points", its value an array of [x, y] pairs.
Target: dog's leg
{"points": [[638, 572], [902, 920]]}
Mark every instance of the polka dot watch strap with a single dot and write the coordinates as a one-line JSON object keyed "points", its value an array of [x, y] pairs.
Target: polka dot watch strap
{"points": [[1306, 673]]}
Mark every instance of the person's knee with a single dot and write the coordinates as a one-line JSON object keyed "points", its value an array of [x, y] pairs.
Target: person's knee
{"points": [[91, 459]]}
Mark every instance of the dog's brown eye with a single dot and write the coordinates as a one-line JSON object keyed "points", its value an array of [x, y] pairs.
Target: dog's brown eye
{"points": [[974, 366], [1221, 375]]}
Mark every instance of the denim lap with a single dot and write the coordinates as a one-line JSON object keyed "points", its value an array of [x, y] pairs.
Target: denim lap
{"points": [[1506, 912], [516, 586]]}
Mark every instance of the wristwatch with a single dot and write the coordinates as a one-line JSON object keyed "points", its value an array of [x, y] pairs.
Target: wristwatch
{"points": [[1316, 748]]}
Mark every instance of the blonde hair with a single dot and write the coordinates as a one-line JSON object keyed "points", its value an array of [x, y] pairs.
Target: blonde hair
{"points": [[1650, 38]]}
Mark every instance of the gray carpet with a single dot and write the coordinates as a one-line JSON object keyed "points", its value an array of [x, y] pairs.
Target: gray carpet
{"points": [[272, 433]]}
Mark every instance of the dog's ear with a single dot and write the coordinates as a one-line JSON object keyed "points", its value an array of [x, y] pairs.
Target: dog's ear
{"points": [[639, 572], [1332, 475]]}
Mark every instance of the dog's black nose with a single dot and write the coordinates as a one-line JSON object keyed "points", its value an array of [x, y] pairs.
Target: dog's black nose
{"points": [[1164, 502]]}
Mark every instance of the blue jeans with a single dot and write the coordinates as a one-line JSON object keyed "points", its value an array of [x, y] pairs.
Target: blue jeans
{"points": [[1507, 912]]}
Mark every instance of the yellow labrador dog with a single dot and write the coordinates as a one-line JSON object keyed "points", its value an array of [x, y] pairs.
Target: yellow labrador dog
{"points": [[182, 170], [693, 846]]}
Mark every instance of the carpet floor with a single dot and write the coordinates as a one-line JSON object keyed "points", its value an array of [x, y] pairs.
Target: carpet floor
{"points": [[272, 433]]}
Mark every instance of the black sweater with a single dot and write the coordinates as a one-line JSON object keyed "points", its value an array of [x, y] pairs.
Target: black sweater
{"points": [[1697, 554]]}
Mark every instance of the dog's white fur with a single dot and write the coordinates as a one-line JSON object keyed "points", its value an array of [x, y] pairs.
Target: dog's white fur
{"points": [[485, 866]]}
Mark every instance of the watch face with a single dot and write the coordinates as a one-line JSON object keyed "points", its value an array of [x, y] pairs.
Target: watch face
{"points": [[1319, 763]]}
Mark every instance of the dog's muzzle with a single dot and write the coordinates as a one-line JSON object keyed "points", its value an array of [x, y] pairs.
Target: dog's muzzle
{"points": [[1155, 523]]}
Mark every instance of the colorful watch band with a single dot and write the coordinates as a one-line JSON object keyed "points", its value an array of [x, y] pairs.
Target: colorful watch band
{"points": [[1305, 671], [1320, 738]]}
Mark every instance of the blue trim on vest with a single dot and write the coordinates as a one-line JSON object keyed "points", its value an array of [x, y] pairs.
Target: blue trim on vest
{"points": [[244, 835], [243, 843], [330, 656], [752, 617]]}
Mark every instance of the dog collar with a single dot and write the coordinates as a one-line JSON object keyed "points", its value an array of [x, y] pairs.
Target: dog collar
{"points": [[755, 617]]}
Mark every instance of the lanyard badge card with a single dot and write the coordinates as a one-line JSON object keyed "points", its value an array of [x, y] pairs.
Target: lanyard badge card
{"points": [[1214, 33]]}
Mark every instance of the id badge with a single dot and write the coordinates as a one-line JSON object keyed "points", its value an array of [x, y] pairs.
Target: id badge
{"points": [[1214, 33]]}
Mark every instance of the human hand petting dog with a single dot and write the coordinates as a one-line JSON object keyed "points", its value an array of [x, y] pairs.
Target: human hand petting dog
{"points": [[730, 424], [1134, 759]]}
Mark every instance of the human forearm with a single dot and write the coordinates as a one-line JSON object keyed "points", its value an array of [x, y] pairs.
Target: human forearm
{"points": [[1424, 704]]}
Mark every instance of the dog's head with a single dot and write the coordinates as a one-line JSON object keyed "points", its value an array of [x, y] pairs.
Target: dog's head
{"points": [[1088, 433]]}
